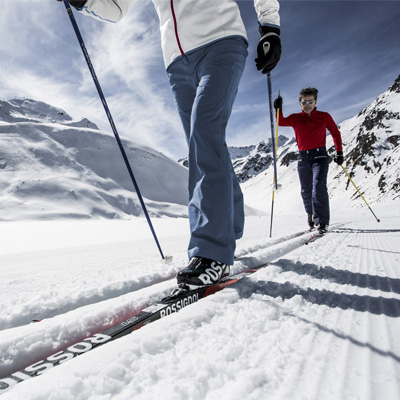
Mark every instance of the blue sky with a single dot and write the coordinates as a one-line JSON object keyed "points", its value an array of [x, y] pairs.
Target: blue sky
{"points": [[349, 50]]}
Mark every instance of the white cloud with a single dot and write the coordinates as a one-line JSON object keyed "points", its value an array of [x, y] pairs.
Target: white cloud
{"points": [[41, 59]]}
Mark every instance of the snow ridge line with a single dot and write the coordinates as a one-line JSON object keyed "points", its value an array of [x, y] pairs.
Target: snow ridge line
{"points": [[82, 299], [267, 255], [157, 310], [274, 242]]}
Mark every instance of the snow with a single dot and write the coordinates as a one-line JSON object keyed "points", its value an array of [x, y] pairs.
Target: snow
{"points": [[320, 322]]}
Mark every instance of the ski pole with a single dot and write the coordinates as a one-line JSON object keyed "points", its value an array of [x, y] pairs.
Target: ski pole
{"points": [[274, 183], [274, 150], [111, 121], [351, 180], [271, 116]]}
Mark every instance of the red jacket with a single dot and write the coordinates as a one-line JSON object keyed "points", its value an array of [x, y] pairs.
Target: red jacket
{"points": [[310, 130]]}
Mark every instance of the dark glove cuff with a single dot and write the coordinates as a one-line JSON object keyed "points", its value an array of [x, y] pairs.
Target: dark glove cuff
{"points": [[77, 3], [268, 29], [339, 153]]}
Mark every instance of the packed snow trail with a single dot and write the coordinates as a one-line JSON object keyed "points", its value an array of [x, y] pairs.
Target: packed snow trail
{"points": [[149, 292], [321, 322]]}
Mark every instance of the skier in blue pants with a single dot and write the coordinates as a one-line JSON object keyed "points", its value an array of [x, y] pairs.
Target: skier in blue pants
{"points": [[205, 48], [205, 84], [313, 168], [310, 130]]}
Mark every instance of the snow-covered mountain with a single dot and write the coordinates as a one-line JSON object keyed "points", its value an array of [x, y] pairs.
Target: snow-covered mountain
{"points": [[258, 158], [372, 141], [52, 166], [249, 161]]}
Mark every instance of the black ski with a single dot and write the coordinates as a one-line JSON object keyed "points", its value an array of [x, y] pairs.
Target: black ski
{"points": [[154, 312]]}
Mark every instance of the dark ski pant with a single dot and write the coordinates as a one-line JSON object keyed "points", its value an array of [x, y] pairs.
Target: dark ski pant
{"points": [[313, 168], [205, 84]]}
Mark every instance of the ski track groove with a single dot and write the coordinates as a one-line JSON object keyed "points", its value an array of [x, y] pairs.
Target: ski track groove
{"points": [[315, 346], [308, 348], [380, 332], [344, 358], [351, 356], [317, 354], [339, 351], [371, 331], [356, 357], [82, 299], [113, 290]]}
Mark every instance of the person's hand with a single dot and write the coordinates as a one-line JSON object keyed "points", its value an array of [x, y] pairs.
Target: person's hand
{"points": [[76, 3], [269, 49], [339, 158], [278, 103]]}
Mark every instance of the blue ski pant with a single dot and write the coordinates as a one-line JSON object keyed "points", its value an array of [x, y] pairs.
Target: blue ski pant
{"points": [[313, 168], [205, 84]]}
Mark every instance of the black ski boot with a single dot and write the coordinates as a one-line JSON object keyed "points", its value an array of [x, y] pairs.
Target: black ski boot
{"points": [[310, 221], [322, 228], [202, 271]]}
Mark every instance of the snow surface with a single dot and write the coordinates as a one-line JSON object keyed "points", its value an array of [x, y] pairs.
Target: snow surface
{"points": [[320, 322]]}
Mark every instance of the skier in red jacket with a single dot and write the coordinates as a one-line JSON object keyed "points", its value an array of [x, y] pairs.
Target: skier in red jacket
{"points": [[310, 129]]}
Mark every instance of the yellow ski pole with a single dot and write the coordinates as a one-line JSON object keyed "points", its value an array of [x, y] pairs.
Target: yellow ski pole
{"points": [[351, 180], [275, 185]]}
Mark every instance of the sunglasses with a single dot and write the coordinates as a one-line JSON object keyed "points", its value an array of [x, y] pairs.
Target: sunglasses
{"points": [[307, 102]]}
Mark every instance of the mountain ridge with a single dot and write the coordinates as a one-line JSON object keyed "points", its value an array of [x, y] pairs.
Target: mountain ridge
{"points": [[52, 166]]}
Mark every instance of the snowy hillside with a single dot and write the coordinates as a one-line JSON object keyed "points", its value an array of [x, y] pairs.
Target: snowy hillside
{"points": [[54, 167]]}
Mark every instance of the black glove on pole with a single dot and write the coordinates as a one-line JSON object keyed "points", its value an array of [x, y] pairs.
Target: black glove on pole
{"points": [[269, 49], [76, 3], [278, 103], [110, 119], [339, 158]]}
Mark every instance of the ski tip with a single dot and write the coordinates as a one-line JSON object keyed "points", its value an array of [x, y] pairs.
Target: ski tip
{"points": [[167, 259]]}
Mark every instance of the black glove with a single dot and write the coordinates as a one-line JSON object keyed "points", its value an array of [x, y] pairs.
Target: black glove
{"points": [[339, 158], [278, 103], [76, 3], [269, 49]]}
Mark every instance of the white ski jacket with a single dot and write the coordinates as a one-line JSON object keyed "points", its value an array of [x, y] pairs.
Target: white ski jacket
{"points": [[189, 24]]}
